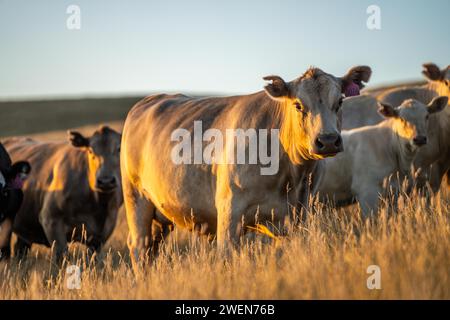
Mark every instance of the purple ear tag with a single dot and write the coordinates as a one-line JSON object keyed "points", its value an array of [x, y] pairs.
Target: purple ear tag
{"points": [[351, 90]]}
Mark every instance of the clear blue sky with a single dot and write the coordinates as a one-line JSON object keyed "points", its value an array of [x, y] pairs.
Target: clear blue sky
{"points": [[222, 46]]}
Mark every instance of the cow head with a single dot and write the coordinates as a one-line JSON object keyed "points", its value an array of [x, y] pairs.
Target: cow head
{"points": [[103, 153], [11, 181], [438, 77], [411, 118], [313, 102]]}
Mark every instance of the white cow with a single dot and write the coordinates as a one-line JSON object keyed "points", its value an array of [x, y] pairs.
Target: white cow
{"points": [[378, 158]]}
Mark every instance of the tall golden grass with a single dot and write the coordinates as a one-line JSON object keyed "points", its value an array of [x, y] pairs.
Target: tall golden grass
{"points": [[325, 258]]}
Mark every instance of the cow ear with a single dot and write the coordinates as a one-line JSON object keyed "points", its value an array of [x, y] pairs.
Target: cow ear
{"points": [[353, 80], [437, 104], [432, 72], [77, 139], [386, 110], [278, 88]]}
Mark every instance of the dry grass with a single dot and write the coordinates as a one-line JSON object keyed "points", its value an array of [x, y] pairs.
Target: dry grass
{"points": [[326, 258]]}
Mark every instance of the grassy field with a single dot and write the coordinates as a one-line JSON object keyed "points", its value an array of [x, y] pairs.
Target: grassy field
{"points": [[326, 258]]}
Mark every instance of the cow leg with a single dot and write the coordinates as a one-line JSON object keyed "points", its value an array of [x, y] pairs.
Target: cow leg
{"points": [[229, 213], [160, 231], [140, 213], [54, 228], [5, 239], [21, 248], [368, 198], [54, 231]]}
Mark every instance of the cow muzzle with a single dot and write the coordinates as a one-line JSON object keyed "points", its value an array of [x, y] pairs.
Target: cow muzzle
{"points": [[328, 145], [106, 184]]}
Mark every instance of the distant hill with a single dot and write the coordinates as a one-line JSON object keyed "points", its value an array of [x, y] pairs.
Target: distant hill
{"points": [[29, 117]]}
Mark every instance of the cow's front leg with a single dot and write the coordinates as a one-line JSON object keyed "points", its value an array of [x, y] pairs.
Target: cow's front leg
{"points": [[368, 198], [52, 222], [54, 229], [231, 207]]}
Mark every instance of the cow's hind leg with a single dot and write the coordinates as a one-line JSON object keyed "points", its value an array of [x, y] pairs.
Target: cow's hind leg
{"points": [[160, 231], [140, 213]]}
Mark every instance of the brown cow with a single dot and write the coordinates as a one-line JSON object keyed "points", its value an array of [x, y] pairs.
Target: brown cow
{"points": [[75, 188], [224, 197]]}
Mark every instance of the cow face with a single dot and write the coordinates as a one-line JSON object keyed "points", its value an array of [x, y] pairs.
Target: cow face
{"points": [[314, 102], [103, 154], [411, 118], [439, 78]]}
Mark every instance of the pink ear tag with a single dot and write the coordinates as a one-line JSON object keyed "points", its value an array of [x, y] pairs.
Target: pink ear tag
{"points": [[352, 90]]}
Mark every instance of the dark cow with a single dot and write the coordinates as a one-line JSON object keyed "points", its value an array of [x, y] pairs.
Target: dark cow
{"points": [[12, 177], [74, 192]]}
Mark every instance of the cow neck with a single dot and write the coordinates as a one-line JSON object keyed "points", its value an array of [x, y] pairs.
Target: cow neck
{"points": [[292, 137], [404, 154]]}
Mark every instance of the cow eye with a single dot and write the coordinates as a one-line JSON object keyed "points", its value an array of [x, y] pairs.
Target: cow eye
{"points": [[299, 106]]}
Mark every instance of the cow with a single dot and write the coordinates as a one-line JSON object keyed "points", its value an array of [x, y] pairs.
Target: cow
{"points": [[377, 159], [73, 194], [12, 177], [222, 198], [432, 161]]}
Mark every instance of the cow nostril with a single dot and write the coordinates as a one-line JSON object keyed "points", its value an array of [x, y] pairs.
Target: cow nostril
{"points": [[106, 181], [319, 144]]}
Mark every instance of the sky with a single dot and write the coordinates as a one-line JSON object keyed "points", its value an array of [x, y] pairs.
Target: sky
{"points": [[127, 47]]}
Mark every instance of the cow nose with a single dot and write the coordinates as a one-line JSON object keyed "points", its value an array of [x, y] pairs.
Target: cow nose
{"points": [[106, 183], [328, 144], [420, 140]]}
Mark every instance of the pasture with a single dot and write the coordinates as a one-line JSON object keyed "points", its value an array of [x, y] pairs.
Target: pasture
{"points": [[325, 258]]}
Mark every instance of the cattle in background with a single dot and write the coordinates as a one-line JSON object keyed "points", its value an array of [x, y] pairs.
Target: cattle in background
{"points": [[223, 199], [74, 192], [433, 161], [12, 177], [377, 159]]}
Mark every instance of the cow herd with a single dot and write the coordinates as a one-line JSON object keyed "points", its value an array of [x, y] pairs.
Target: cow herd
{"points": [[391, 141]]}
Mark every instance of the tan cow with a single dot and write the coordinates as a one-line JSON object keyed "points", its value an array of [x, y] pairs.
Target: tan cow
{"points": [[432, 161], [378, 158], [224, 197], [74, 187]]}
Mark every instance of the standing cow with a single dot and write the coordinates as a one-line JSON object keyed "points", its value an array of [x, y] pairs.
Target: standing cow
{"points": [[12, 177], [223, 198], [75, 188], [377, 159], [433, 160]]}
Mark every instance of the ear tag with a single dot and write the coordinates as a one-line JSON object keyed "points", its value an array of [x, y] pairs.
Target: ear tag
{"points": [[352, 90]]}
